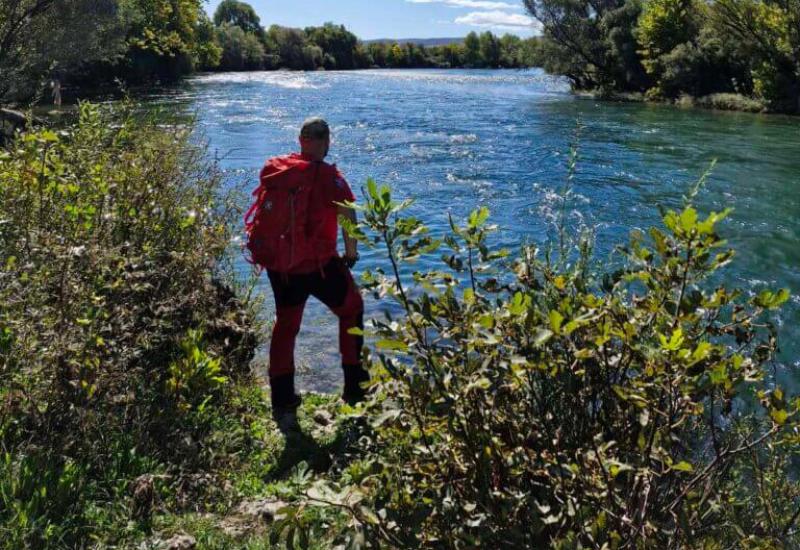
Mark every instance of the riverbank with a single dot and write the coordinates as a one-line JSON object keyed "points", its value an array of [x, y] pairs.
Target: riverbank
{"points": [[711, 51], [124, 346], [716, 102], [251, 502], [130, 417]]}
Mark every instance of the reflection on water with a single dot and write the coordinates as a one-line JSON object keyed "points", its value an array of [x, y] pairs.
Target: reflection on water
{"points": [[456, 139]]}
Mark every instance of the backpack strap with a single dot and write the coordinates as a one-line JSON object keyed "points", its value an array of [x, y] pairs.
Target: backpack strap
{"points": [[316, 192], [251, 213]]}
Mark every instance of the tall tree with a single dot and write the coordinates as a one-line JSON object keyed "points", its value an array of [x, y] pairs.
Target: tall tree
{"points": [[490, 50], [396, 56], [240, 50], [592, 42], [289, 46], [453, 55], [44, 39], [378, 51], [472, 50], [767, 32], [161, 37], [240, 14], [336, 41], [208, 51], [510, 51]]}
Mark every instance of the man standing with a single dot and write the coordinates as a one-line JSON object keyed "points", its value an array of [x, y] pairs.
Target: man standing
{"points": [[55, 84], [293, 233]]}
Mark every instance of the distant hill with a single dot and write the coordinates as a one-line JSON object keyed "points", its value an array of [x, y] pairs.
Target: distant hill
{"points": [[427, 42]]}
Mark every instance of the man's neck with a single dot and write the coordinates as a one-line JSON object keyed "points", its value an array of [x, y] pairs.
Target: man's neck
{"points": [[311, 157]]}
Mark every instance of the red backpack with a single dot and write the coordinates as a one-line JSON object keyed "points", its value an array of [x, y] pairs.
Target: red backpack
{"points": [[279, 235]]}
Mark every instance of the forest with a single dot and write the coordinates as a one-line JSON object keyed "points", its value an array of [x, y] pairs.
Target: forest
{"points": [[243, 44], [89, 44], [731, 54]]}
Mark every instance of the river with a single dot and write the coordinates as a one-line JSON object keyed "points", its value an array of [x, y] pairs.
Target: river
{"points": [[456, 139]]}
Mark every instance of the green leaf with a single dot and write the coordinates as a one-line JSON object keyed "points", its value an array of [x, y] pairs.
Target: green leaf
{"points": [[683, 466], [469, 297], [771, 300], [482, 383], [372, 189], [617, 468], [519, 304], [706, 227], [48, 136], [486, 321], [392, 345], [779, 416], [688, 219], [719, 375], [675, 342], [541, 337], [556, 320], [478, 217]]}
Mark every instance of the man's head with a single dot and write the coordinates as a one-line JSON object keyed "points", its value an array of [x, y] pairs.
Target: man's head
{"points": [[315, 138]]}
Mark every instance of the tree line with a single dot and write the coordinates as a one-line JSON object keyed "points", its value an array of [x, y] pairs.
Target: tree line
{"points": [[86, 42], [241, 43], [668, 49]]}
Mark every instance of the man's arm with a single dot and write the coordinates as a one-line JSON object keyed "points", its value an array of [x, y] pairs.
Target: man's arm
{"points": [[350, 244]]}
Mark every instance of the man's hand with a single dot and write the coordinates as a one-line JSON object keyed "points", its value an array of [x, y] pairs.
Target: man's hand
{"points": [[350, 260], [350, 244]]}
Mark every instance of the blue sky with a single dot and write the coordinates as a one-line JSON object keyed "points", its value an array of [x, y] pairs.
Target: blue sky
{"points": [[398, 18]]}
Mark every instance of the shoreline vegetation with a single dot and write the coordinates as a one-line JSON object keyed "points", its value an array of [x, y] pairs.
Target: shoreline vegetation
{"points": [[729, 54], [672, 51], [50, 49], [714, 102], [130, 418]]}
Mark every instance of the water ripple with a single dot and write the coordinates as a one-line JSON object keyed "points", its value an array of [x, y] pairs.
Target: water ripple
{"points": [[455, 139]]}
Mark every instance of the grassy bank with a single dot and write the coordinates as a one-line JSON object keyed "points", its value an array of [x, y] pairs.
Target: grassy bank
{"points": [[126, 397]]}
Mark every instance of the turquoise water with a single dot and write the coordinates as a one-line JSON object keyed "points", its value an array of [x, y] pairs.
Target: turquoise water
{"points": [[457, 139]]}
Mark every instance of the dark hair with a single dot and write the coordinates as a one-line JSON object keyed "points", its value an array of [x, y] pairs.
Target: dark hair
{"points": [[315, 128]]}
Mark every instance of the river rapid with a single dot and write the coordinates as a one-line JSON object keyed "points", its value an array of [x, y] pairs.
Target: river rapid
{"points": [[453, 140]]}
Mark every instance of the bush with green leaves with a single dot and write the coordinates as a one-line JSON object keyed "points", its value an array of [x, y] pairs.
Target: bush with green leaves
{"points": [[240, 50], [542, 400], [121, 345], [669, 48]]}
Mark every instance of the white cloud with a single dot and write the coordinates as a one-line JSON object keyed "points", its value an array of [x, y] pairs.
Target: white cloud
{"points": [[497, 19], [473, 4]]}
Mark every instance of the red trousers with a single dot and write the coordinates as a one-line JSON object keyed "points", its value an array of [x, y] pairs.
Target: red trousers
{"points": [[334, 286]]}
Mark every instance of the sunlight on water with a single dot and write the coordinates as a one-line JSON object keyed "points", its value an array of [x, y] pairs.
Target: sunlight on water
{"points": [[280, 79], [454, 140]]}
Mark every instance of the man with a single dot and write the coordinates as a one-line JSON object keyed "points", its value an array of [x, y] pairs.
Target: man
{"points": [[55, 84], [320, 271]]}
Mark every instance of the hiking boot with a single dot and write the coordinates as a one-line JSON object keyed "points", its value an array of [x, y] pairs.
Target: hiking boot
{"points": [[286, 419], [354, 377], [285, 413], [284, 398]]}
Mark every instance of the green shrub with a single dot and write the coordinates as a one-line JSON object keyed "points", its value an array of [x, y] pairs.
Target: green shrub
{"points": [[121, 347], [731, 102], [41, 502], [544, 401], [196, 377]]}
